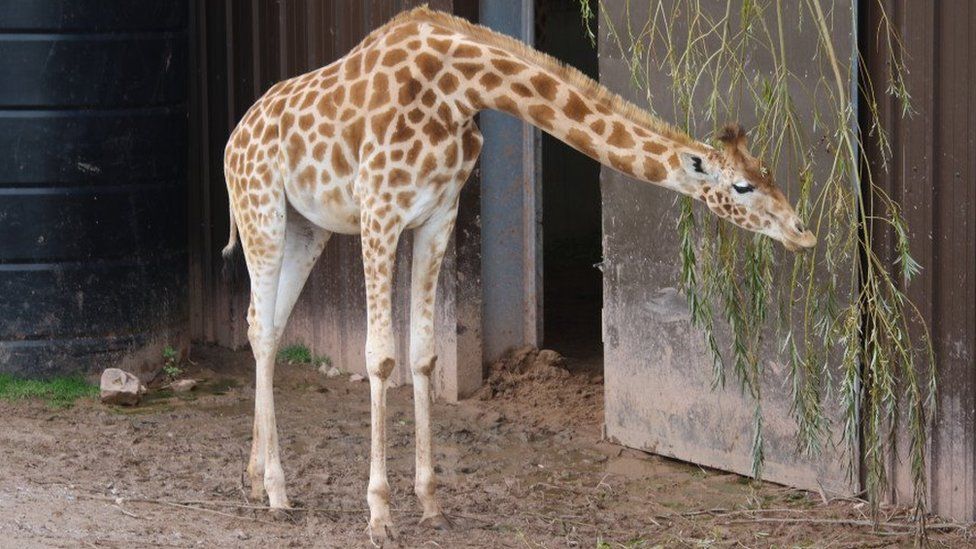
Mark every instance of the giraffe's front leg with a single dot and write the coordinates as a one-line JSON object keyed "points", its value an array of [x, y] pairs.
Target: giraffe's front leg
{"points": [[379, 253], [430, 242]]}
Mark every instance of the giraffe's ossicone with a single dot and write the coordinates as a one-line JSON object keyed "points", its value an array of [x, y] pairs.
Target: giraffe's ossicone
{"points": [[382, 141]]}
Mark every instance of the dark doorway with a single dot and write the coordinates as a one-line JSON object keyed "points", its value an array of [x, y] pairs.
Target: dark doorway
{"points": [[571, 222]]}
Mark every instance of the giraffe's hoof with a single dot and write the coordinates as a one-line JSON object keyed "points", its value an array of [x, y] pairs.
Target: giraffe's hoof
{"points": [[281, 514], [437, 522], [381, 533], [257, 492]]}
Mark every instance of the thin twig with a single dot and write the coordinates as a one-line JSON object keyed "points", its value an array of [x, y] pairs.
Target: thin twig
{"points": [[850, 522]]}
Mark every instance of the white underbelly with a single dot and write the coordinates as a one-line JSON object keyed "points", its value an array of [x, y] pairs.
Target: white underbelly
{"points": [[333, 209]]}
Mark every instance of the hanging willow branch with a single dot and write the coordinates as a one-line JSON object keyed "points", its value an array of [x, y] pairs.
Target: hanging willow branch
{"points": [[841, 309]]}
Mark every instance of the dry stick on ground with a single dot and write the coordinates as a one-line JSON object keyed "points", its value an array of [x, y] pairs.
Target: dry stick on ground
{"points": [[849, 522], [195, 504], [719, 512]]}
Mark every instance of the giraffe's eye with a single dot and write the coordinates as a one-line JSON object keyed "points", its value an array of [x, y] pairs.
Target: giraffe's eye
{"points": [[742, 187]]}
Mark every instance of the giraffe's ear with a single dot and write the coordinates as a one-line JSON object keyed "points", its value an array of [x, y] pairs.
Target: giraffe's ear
{"points": [[698, 166], [733, 136]]}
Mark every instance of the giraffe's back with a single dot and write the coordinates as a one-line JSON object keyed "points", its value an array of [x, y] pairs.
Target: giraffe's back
{"points": [[371, 130]]}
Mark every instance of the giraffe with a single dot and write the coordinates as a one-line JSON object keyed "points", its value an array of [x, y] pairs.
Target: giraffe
{"points": [[380, 142]]}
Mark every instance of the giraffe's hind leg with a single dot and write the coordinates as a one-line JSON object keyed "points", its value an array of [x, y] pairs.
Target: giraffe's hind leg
{"points": [[303, 243], [430, 242]]}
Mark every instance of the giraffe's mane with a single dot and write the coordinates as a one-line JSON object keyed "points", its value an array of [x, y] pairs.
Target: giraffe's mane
{"points": [[567, 73]]}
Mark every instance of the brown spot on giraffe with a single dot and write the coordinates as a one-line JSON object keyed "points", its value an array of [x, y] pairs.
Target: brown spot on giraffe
{"points": [[399, 178], [352, 134], [522, 89], [409, 91], [428, 64], [380, 122], [624, 163], [439, 45], [378, 162], [429, 165], [451, 155], [506, 104], [542, 115], [415, 116], [318, 152], [357, 93], [545, 85], [404, 199], [380, 91], [467, 70], [394, 57], [490, 81], [582, 142], [402, 131], [295, 150], [620, 137], [654, 147], [369, 61], [467, 51], [414, 152], [653, 170], [435, 131], [306, 178], [448, 83], [340, 165], [575, 108], [507, 66]]}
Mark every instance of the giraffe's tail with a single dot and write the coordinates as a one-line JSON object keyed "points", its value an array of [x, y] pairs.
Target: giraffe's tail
{"points": [[228, 272], [228, 250]]}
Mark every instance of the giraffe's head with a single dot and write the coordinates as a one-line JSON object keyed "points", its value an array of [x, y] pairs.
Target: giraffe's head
{"points": [[738, 187]]}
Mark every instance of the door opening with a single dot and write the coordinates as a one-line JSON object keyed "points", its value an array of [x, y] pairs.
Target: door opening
{"points": [[571, 215]]}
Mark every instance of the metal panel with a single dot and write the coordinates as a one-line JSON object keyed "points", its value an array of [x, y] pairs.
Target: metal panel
{"points": [[510, 239], [657, 370], [933, 176], [242, 48]]}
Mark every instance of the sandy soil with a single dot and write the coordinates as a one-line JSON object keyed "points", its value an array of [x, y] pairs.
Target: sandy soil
{"points": [[522, 465]]}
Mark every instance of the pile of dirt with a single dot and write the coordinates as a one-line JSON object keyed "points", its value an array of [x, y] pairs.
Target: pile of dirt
{"points": [[536, 386]]}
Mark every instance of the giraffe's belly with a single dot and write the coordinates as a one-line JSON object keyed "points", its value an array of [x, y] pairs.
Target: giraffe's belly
{"points": [[333, 207]]}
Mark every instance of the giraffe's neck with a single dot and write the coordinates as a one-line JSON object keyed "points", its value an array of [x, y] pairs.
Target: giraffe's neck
{"points": [[597, 125]]}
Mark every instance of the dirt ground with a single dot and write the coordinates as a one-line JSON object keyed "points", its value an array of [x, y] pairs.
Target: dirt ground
{"points": [[521, 465]]}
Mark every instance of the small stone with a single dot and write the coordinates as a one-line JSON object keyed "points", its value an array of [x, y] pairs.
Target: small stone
{"points": [[183, 385], [330, 371], [120, 387], [356, 378]]}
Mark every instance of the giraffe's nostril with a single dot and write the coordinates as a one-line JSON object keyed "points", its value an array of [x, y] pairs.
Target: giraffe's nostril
{"points": [[799, 226]]}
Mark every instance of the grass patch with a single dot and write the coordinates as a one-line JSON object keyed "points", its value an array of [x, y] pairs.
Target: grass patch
{"points": [[59, 392], [297, 353]]}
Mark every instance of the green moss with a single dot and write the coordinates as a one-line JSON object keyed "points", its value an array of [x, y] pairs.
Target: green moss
{"points": [[59, 392]]}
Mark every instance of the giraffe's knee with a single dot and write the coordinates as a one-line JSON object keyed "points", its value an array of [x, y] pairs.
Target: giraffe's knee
{"points": [[381, 369], [424, 366]]}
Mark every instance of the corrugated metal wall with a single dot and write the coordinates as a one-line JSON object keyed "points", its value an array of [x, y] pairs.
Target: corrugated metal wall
{"points": [[933, 176], [243, 47]]}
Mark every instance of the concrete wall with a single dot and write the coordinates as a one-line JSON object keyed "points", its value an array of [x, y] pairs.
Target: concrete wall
{"points": [[658, 373]]}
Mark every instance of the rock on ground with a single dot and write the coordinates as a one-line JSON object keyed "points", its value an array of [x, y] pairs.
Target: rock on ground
{"points": [[183, 385], [120, 387]]}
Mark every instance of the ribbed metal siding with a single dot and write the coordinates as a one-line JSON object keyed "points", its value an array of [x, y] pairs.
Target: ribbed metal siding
{"points": [[92, 182]]}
